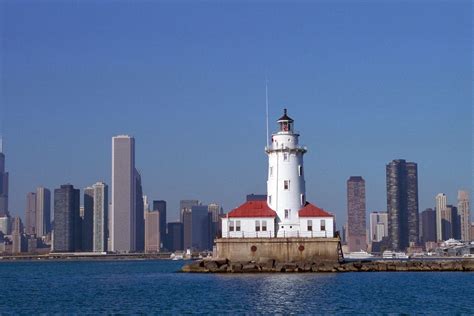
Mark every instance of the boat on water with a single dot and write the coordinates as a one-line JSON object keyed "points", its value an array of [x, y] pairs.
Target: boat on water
{"points": [[387, 254], [359, 255]]}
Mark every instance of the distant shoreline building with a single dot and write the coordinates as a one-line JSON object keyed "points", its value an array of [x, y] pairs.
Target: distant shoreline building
{"points": [[441, 203], [356, 210], [464, 214], [3, 184], [123, 215], [67, 221], [402, 203]]}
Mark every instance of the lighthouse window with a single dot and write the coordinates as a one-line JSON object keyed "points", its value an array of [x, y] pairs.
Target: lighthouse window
{"points": [[286, 185], [285, 156], [300, 170], [264, 226], [287, 214], [303, 199], [269, 199], [323, 225], [310, 225], [237, 226], [271, 171], [257, 226], [231, 226]]}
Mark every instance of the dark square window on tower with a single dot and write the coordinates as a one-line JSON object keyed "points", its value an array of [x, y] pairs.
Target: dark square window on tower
{"points": [[286, 185]]}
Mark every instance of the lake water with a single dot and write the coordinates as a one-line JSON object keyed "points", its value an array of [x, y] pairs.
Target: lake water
{"points": [[155, 287]]}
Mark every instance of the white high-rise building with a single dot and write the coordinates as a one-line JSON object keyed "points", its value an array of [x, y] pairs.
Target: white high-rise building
{"points": [[286, 192], [100, 217], [441, 202], [378, 226], [43, 211], [123, 215], [464, 214]]}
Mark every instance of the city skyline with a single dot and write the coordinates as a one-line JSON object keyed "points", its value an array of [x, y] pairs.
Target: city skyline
{"points": [[163, 108]]}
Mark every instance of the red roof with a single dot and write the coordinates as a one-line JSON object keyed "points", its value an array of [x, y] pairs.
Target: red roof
{"points": [[253, 209], [313, 211]]}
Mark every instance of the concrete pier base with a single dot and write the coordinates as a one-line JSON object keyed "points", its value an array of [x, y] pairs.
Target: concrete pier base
{"points": [[278, 249]]}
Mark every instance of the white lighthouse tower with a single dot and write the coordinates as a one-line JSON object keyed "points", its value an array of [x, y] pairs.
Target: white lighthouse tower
{"points": [[286, 185]]}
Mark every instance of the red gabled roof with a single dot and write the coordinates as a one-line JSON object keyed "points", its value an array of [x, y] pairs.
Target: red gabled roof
{"points": [[309, 210], [253, 209]]}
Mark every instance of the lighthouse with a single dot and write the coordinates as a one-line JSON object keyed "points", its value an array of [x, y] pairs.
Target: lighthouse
{"points": [[286, 192], [285, 213]]}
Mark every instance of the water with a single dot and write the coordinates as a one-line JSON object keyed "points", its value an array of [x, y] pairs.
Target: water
{"points": [[154, 287]]}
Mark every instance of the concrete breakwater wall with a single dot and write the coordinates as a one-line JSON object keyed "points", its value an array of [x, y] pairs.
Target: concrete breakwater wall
{"points": [[281, 249], [226, 266]]}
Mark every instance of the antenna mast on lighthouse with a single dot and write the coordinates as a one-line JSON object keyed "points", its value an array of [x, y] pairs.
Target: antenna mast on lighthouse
{"points": [[266, 104]]}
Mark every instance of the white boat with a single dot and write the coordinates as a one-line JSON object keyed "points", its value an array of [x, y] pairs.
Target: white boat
{"points": [[387, 254], [177, 256], [358, 255]]}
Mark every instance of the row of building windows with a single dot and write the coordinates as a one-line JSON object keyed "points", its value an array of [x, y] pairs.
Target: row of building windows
{"points": [[322, 225], [259, 226], [262, 225]]}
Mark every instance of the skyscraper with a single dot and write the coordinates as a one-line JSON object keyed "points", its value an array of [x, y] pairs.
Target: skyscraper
{"points": [[30, 214], [215, 211], [175, 236], [441, 202], [152, 231], [160, 207], [123, 215], [43, 211], [88, 220], [448, 222], [185, 206], [428, 225], [67, 221], [402, 203], [378, 226], [196, 227], [3, 184], [464, 215], [356, 223], [139, 214], [100, 217]]}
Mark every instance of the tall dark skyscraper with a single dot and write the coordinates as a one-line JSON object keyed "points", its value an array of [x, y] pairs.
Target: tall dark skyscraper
{"points": [[67, 220], [88, 220], [140, 214], [160, 206], [3, 184], [175, 236], [428, 225], [402, 203], [197, 227], [356, 210]]}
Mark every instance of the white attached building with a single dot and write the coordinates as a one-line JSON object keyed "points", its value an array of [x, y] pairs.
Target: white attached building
{"points": [[286, 213]]}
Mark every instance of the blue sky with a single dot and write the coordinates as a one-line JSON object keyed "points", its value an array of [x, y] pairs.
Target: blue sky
{"points": [[366, 82]]}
